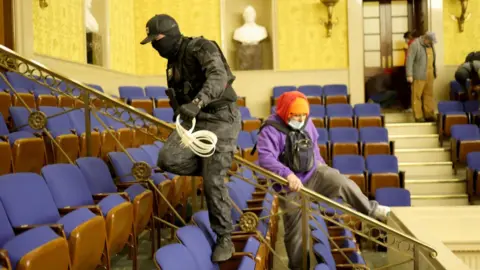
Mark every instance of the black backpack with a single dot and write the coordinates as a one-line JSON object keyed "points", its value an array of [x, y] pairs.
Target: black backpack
{"points": [[298, 154]]}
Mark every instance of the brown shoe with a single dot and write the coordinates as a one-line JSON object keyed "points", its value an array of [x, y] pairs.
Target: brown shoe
{"points": [[419, 120]]}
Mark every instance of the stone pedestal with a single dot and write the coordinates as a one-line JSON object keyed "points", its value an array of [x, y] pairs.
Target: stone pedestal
{"points": [[249, 57]]}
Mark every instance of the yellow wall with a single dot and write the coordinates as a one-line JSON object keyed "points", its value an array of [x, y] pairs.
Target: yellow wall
{"points": [[59, 30], [122, 36], [302, 42], [195, 18], [458, 45]]}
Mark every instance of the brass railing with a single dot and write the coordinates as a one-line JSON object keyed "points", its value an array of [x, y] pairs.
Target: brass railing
{"points": [[311, 204]]}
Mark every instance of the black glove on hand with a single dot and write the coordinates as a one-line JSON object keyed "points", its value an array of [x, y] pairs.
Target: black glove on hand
{"points": [[189, 111]]}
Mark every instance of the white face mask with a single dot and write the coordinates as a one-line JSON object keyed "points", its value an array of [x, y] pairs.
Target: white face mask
{"points": [[296, 124]]}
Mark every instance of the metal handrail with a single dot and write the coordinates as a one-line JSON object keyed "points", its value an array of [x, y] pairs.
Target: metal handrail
{"points": [[304, 191]]}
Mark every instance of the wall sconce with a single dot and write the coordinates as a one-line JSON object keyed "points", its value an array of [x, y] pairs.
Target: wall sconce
{"points": [[463, 17], [43, 3], [330, 4]]}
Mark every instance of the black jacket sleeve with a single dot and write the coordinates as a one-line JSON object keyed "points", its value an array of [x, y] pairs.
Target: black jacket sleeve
{"points": [[216, 76]]}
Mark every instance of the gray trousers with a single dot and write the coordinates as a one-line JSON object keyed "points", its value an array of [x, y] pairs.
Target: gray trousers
{"points": [[329, 183], [174, 158]]}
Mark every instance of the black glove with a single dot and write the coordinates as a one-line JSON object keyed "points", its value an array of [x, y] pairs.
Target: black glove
{"points": [[174, 118], [189, 111]]}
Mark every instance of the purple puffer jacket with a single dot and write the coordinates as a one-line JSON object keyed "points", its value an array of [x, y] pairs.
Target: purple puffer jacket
{"points": [[271, 143]]}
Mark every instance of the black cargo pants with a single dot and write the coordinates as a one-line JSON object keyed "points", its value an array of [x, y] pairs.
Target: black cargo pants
{"points": [[226, 124]]}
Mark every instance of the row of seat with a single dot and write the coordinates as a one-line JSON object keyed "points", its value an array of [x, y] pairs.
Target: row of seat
{"points": [[465, 138], [456, 112], [89, 227], [344, 115], [68, 129], [150, 97], [251, 252], [34, 93], [332, 142], [316, 94], [473, 180], [372, 172], [89, 182], [457, 92]]}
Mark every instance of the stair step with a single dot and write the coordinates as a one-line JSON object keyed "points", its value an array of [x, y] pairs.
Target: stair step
{"points": [[398, 117], [411, 128], [435, 186], [439, 200], [415, 141], [434, 168], [422, 154]]}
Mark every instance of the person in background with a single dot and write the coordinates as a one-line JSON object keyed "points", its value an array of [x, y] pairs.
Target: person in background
{"points": [[469, 71], [473, 56], [421, 73], [379, 90], [297, 158], [408, 37]]}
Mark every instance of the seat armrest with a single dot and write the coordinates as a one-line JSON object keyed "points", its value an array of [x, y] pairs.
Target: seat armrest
{"points": [[401, 175], [392, 147], [94, 208], [4, 259], [239, 255], [256, 210], [124, 185], [101, 196], [57, 228]]}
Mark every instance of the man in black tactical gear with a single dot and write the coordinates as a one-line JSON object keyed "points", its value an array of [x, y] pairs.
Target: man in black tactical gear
{"points": [[200, 86]]}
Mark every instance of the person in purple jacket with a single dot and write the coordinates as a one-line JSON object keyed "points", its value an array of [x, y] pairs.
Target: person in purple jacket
{"points": [[306, 168]]}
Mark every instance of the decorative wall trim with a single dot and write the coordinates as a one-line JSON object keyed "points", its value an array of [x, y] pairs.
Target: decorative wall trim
{"points": [[470, 258], [223, 10]]}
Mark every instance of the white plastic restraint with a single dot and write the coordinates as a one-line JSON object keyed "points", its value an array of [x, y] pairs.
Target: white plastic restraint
{"points": [[201, 142]]}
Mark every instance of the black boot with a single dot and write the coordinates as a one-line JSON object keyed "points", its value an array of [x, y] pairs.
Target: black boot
{"points": [[223, 249]]}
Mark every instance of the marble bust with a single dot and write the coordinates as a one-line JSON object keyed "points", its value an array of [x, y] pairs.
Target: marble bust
{"points": [[250, 33], [249, 36], [91, 24]]}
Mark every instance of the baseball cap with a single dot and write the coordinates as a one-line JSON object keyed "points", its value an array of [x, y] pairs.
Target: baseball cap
{"points": [[431, 36], [158, 24]]}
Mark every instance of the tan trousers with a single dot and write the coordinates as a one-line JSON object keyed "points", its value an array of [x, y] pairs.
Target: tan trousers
{"points": [[422, 98]]}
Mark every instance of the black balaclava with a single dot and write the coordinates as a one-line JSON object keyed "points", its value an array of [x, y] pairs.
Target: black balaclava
{"points": [[168, 46]]}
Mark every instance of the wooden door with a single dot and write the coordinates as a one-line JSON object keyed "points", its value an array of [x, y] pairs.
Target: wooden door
{"points": [[375, 37], [400, 21], [384, 24], [6, 23]]}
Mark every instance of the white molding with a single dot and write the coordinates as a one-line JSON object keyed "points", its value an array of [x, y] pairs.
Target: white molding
{"points": [[274, 34], [223, 10], [106, 41], [356, 80]]}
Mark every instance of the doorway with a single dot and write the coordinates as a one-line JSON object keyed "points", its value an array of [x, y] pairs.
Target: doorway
{"points": [[384, 24]]}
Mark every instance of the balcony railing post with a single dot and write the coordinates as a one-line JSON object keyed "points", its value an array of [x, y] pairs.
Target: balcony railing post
{"points": [[194, 194], [88, 122], [305, 231]]}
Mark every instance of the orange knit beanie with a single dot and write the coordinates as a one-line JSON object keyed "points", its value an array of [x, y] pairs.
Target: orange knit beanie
{"points": [[290, 103]]}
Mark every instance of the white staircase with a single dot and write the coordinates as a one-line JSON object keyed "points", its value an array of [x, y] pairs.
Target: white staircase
{"points": [[428, 167]]}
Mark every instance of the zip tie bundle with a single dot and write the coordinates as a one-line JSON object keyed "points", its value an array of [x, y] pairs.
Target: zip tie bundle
{"points": [[201, 142]]}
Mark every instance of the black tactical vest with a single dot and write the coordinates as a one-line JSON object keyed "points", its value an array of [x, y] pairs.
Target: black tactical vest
{"points": [[186, 75]]}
